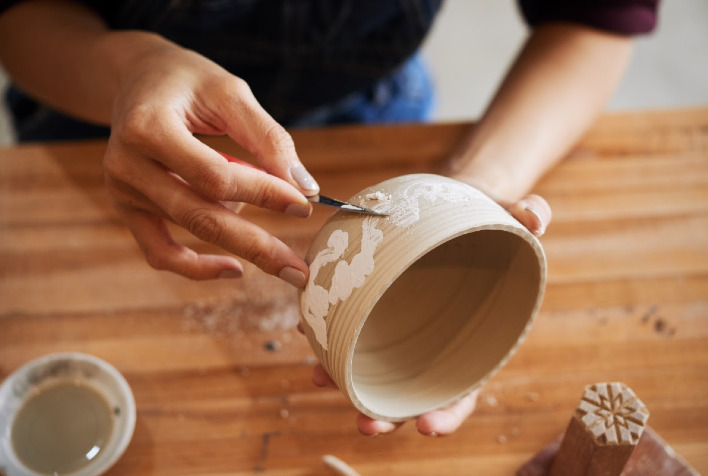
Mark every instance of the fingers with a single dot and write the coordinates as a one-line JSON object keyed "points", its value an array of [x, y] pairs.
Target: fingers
{"points": [[321, 378], [145, 220], [366, 425], [370, 427], [215, 224], [251, 126], [205, 170], [533, 212], [192, 194], [125, 196], [163, 253], [210, 221], [447, 421]]}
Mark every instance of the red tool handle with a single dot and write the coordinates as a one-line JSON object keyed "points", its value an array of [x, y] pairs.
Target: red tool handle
{"points": [[235, 160]]}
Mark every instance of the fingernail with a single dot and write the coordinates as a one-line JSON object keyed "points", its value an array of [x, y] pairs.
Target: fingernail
{"points": [[386, 427], [304, 179], [231, 273], [293, 276], [432, 433], [300, 210], [542, 228]]}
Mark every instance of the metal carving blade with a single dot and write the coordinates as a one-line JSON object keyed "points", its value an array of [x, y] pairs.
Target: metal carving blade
{"points": [[343, 205]]}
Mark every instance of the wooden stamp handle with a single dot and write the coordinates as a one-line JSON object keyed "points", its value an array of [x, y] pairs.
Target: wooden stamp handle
{"points": [[602, 433]]}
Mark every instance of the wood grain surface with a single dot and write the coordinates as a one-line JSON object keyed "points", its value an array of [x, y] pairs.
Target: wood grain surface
{"points": [[223, 381]]}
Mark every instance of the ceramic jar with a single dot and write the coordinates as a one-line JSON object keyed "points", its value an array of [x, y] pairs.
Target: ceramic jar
{"points": [[412, 311]]}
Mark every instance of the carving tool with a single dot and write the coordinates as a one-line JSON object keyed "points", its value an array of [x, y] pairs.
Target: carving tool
{"points": [[331, 202], [321, 199]]}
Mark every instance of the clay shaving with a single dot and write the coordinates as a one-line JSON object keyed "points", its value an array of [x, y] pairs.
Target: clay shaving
{"points": [[259, 302], [378, 196]]}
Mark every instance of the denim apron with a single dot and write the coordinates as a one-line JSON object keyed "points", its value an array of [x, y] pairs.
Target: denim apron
{"points": [[308, 62]]}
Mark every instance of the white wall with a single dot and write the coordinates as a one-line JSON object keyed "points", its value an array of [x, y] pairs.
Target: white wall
{"points": [[473, 42]]}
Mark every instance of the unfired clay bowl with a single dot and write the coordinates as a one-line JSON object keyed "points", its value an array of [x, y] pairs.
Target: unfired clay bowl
{"points": [[410, 312]]}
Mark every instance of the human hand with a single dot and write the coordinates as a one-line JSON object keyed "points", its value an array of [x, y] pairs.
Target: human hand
{"points": [[532, 211], [157, 171]]}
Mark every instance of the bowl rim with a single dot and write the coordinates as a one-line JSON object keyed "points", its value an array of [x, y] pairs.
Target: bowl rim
{"points": [[12, 398]]}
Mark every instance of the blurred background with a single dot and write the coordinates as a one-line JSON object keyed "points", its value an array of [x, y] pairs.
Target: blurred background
{"points": [[474, 41]]}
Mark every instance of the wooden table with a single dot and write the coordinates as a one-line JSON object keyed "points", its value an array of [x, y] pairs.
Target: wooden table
{"points": [[222, 381]]}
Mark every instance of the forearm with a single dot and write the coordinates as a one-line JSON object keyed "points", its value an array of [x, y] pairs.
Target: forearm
{"points": [[559, 83], [63, 54]]}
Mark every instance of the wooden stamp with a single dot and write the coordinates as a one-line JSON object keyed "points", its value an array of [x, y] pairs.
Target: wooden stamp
{"points": [[603, 431], [607, 435]]}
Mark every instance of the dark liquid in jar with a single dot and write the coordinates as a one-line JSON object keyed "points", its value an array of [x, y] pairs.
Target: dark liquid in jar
{"points": [[62, 428]]}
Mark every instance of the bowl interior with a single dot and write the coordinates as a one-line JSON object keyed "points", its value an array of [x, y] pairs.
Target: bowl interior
{"points": [[446, 324]]}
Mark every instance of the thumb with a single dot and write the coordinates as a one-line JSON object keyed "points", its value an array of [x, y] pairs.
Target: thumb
{"points": [[250, 125], [533, 212]]}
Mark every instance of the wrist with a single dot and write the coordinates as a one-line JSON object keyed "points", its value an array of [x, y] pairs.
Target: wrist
{"points": [[501, 180]]}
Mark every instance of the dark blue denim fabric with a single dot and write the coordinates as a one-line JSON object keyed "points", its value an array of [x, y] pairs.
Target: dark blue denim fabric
{"points": [[406, 96], [308, 62]]}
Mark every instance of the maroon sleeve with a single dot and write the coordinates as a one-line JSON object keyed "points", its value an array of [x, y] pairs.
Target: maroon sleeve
{"points": [[625, 17]]}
